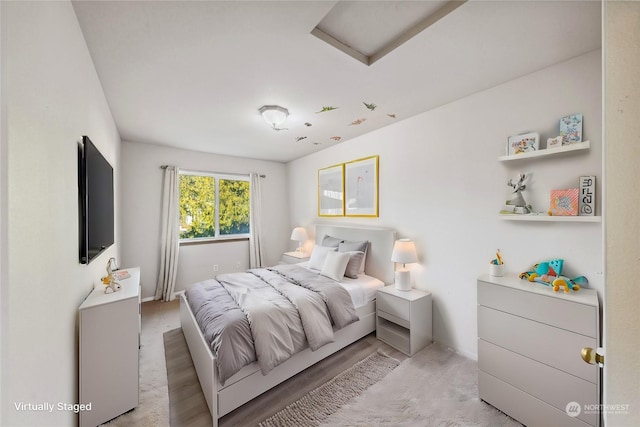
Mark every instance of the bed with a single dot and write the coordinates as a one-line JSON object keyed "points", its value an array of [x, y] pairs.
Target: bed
{"points": [[249, 382]]}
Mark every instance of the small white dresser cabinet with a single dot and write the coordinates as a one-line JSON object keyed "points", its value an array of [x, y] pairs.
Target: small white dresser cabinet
{"points": [[403, 319], [109, 344], [529, 344]]}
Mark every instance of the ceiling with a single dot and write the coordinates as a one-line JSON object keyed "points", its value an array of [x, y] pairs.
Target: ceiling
{"points": [[193, 74]]}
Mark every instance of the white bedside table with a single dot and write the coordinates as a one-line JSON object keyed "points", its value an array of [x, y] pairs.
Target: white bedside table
{"points": [[403, 319], [294, 257]]}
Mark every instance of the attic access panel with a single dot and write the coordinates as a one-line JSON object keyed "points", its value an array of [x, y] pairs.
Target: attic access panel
{"points": [[368, 30]]}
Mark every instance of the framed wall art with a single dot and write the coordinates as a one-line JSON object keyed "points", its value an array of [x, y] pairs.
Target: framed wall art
{"points": [[525, 143], [571, 129], [331, 191], [564, 202], [361, 187]]}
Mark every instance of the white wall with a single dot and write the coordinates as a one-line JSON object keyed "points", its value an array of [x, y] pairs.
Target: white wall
{"points": [[52, 97], [622, 238], [141, 200], [441, 185]]}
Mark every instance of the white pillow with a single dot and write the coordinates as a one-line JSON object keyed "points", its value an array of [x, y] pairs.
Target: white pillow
{"points": [[318, 255], [335, 264]]}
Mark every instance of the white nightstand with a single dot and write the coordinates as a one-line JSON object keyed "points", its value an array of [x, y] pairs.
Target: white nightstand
{"points": [[294, 257], [403, 319]]}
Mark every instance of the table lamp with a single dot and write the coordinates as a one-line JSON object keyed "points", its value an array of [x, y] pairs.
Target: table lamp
{"points": [[404, 252], [299, 234]]}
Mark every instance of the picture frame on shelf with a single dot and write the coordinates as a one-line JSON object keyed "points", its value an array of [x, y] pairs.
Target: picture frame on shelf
{"points": [[586, 205], [524, 143], [331, 190], [361, 187], [564, 202], [571, 129]]}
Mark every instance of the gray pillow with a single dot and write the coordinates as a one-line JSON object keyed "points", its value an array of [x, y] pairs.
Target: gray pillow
{"points": [[331, 242], [362, 246], [354, 264]]}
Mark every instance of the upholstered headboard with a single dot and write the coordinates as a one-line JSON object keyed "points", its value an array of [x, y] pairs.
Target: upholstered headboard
{"points": [[381, 240]]}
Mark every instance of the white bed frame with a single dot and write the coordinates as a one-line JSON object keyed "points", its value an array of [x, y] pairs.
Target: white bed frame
{"points": [[249, 382]]}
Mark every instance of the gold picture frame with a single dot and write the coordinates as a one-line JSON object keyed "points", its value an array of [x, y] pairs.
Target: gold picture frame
{"points": [[361, 187], [331, 190]]}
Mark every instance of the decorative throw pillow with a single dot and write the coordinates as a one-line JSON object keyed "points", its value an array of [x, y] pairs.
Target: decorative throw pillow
{"points": [[331, 242], [353, 266], [335, 264], [362, 246], [319, 254]]}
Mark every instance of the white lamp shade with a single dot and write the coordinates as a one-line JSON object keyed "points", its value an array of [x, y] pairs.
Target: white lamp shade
{"points": [[274, 114], [404, 251], [299, 234]]}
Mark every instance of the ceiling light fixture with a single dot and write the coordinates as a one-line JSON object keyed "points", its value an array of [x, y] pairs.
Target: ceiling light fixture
{"points": [[275, 115]]}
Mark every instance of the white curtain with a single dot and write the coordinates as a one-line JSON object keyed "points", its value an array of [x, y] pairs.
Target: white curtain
{"points": [[256, 259], [170, 235]]}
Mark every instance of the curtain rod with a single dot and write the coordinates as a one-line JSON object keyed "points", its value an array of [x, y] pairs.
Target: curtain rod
{"points": [[221, 173]]}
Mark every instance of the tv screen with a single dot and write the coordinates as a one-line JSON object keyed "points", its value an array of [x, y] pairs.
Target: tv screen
{"points": [[96, 201]]}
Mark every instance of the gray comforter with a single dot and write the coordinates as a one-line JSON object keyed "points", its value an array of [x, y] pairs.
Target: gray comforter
{"points": [[268, 315]]}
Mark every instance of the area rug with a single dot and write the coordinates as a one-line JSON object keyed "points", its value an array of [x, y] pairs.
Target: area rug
{"points": [[435, 388], [317, 405]]}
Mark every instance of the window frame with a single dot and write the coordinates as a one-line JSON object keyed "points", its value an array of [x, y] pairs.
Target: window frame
{"points": [[216, 179]]}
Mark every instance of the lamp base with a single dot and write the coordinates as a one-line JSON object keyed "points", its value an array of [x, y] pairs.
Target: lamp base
{"points": [[403, 280]]}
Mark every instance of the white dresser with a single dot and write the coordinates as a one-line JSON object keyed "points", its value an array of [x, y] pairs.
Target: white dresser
{"points": [[109, 344], [529, 344]]}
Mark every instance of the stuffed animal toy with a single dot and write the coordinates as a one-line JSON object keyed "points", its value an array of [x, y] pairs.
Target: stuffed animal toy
{"points": [[549, 273]]}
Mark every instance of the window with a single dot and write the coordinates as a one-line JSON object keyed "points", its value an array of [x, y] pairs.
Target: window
{"points": [[213, 206]]}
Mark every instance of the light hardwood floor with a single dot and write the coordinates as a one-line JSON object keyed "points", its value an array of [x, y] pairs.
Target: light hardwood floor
{"points": [[187, 404]]}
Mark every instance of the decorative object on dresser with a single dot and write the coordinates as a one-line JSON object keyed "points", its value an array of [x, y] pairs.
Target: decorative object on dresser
{"points": [[361, 187], [299, 234], [108, 345], [403, 319], [404, 252], [530, 341]]}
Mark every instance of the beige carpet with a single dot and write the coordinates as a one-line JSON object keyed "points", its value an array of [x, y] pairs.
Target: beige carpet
{"points": [[434, 388]]}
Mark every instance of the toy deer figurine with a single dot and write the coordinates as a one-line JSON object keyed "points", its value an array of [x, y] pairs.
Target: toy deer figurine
{"points": [[518, 202]]}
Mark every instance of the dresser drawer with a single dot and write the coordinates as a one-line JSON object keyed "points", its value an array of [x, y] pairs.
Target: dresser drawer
{"points": [[534, 378], [395, 306], [550, 345], [523, 407], [552, 309]]}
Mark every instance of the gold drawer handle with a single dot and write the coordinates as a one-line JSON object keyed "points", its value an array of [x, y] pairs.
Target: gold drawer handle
{"points": [[592, 356]]}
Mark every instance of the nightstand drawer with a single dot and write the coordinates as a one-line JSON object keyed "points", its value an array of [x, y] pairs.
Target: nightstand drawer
{"points": [[394, 306], [394, 319], [394, 335]]}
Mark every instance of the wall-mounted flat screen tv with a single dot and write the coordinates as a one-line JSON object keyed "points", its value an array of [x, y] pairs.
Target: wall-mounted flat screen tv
{"points": [[95, 182]]}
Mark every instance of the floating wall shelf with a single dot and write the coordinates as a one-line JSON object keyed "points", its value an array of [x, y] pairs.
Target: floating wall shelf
{"points": [[584, 145], [542, 217]]}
